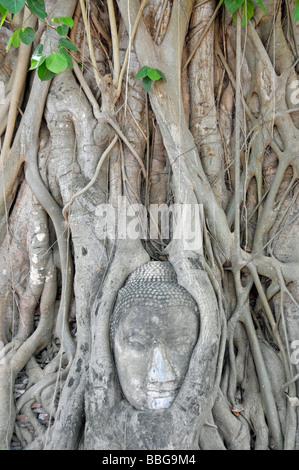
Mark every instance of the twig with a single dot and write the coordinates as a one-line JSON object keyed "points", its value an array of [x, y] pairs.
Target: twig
{"points": [[137, 124], [99, 115], [296, 377], [117, 129], [76, 21], [233, 82], [115, 44], [100, 29], [97, 75], [129, 46], [89, 94], [93, 180]]}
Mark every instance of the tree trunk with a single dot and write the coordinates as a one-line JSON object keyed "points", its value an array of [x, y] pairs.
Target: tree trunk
{"points": [[86, 159]]}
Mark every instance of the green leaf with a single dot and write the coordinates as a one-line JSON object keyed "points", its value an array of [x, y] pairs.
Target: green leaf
{"points": [[56, 62], [67, 55], [38, 57], [62, 30], [247, 11], [38, 8], [37, 62], [68, 44], [9, 44], [153, 74], [14, 6], [3, 12], [27, 35], [142, 72], [162, 75], [260, 3], [233, 5], [147, 83], [44, 73], [14, 40], [296, 13], [38, 50], [64, 19], [67, 20]]}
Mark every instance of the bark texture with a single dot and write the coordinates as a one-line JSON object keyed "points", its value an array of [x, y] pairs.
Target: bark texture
{"points": [[92, 136]]}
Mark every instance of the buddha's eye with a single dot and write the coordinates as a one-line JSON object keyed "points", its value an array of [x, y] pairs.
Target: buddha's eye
{"points": [[136, 341]]}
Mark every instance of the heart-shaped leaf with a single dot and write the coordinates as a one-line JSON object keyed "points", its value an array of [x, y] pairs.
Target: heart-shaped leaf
{"points": [[153, 74], [67, 56], [68, 44], [260, 3], [247, 12], [14, 6], [62, 29], [162, 75], [44, 73], [38, 58], [56, 62], [27, 35], [64, 19], [142, 72], [233, 5], [147, 84], [36, 63], [67, 20], [14, 40], [38, 8]]}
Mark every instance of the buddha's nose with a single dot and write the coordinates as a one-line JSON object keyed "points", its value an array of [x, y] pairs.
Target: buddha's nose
{"points": [[161, 370]]}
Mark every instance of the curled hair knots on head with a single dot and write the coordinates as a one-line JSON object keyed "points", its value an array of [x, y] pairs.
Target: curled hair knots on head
{"points": [[153, 284]]}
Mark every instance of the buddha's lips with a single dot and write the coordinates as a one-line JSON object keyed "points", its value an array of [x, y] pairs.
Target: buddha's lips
{"points": [[161, 393]]}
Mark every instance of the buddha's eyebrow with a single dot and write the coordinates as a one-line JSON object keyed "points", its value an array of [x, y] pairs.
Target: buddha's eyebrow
{"points": [[134, 331]]}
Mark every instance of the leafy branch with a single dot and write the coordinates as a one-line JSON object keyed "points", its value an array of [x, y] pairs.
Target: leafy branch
{"points": [[60, 58]]}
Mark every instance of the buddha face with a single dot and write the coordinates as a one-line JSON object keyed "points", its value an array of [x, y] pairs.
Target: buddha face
{"points": [[152, 350]]}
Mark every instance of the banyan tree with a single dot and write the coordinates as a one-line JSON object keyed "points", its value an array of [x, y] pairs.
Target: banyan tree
{"points": [[116, 333]]}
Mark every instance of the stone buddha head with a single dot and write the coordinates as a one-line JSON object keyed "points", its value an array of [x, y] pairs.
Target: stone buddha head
{"points": [[154, 328]]}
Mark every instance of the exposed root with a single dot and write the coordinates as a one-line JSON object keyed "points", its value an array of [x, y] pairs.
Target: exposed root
{"points": [[58, 282]]}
